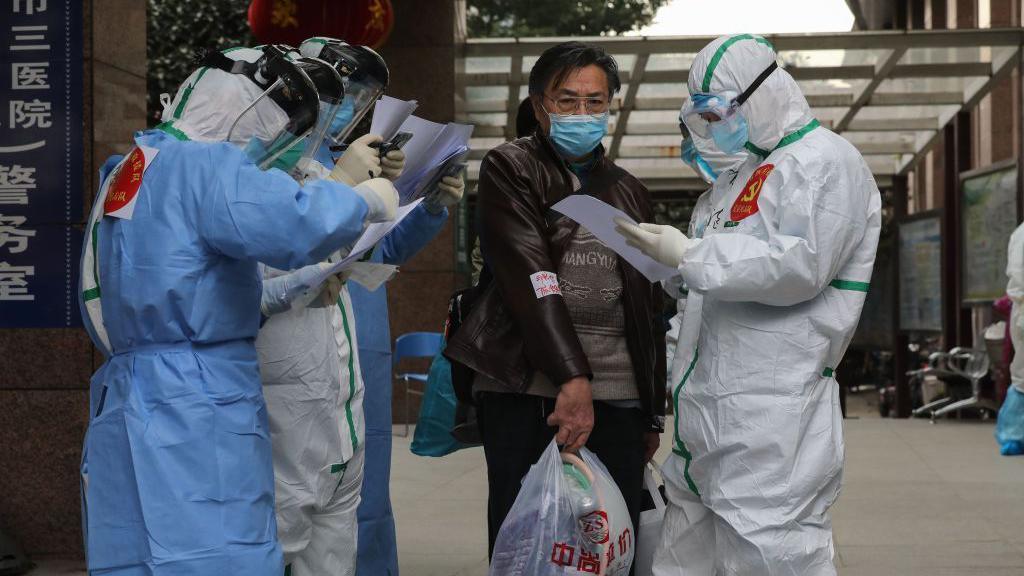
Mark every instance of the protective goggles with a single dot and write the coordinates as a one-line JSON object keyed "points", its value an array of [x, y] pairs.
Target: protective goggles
{"points": [[704, 109]]}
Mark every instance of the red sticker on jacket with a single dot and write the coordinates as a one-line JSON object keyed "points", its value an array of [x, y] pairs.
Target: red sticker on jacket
{"points": [[126, 183], [746, 204]]}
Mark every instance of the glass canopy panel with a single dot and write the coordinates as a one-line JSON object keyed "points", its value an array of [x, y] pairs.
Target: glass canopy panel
{"points": [[488, 64], [926, 88], [829, 114], [951, 55], [655, 116], [660, 62], [836, 86], [488, 119], [651, 140], [902, 112], [625, 61], [663, 90], [923, 85], [887, 164], [486, 92], [819, 58]]}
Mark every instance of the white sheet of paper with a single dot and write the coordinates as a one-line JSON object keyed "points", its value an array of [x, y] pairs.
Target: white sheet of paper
{"points": [[431, 146], [371, 236], [371, 274], [419, 150], [599, 218], [389, 114]]}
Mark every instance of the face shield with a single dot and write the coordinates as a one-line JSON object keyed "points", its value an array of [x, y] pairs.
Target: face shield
{"points": [[331, 93], [364, 74], [272, 128], [719, 116], [359, 98]]}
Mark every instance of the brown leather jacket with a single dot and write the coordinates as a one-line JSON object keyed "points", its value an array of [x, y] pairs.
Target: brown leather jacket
{"points": [[510, 331]]}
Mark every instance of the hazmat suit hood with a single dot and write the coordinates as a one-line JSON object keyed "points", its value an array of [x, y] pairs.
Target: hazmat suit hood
{"points": [[210, 100], [775, 110]]}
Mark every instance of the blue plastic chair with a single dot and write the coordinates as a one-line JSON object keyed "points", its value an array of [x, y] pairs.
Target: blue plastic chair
{"points": [[414, 345]]}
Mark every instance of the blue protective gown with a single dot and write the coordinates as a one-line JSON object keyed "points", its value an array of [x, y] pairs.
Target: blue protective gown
{"points": [[177, 470], [378, 553]]}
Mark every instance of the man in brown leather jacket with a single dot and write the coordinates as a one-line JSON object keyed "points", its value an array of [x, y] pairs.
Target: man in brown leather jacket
{"points": [[566, 340]]}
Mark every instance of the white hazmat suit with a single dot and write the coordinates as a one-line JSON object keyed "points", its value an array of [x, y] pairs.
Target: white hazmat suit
{"points": [[314, 392], [782, 271], [1015, 290], [685, 327], [313, 389]]}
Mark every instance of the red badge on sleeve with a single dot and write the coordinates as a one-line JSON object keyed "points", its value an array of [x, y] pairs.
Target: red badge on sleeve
{"points": [[126, 183], [746, 204]]}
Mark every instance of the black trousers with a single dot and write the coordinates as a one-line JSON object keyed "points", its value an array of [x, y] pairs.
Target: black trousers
{"points": [[515, 433]]}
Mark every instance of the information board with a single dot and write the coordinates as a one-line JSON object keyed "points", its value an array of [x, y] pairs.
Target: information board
{"points": [[921, 275], [41, 174], [989, 208]]}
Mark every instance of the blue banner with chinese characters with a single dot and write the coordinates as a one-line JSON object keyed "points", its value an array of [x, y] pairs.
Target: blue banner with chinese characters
{"points": [[41, 155]]}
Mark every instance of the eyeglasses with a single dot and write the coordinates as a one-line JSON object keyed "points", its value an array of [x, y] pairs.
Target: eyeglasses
{"points": [[571, 104]]}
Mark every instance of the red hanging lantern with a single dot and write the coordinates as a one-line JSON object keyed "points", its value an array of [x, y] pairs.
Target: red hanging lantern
{"points": [[361, 22]]}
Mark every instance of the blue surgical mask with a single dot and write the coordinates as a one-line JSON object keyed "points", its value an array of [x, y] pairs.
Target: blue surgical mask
{"points": [[342, 118], [689, 154], [730, 134], [577, 135]]}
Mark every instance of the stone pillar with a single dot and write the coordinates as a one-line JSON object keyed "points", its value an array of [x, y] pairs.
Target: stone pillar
{"points": [[45, 379], [421, 56], [1005, 95]]}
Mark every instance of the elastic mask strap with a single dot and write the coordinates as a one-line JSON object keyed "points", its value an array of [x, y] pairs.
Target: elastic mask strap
{"points": [[216, 59], [756, 83]]}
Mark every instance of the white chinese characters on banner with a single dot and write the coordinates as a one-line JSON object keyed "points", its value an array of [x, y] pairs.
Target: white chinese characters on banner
{"points": [[30, 75], [29, 7], [30, 114], [13, 285], [42, 161], [17, 180], [12, 236], [15, 183]]}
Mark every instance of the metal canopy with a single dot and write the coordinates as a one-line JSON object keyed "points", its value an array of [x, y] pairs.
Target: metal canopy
{"points": [[889, 92]]}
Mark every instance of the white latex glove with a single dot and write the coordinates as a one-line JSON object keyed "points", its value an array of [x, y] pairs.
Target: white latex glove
{"points": [[666, 244], [331, 290], [359, 163], [449, 191], [392, 164], [295, 288], [382, 198]]}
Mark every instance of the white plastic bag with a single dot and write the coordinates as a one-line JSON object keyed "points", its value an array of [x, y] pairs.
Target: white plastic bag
{"points": [[649, 531], [569, 519]]}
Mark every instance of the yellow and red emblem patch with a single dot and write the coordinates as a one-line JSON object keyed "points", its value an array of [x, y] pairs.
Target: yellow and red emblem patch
{"points": [[126, 182], [746, 204]]}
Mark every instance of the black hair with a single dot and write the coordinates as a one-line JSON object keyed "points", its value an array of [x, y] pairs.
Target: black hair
{"points": [[557, 62], [526, 120]]}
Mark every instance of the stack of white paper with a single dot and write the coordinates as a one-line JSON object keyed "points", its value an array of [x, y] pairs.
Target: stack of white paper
{"points": [[389, 114], [432, 149]]}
